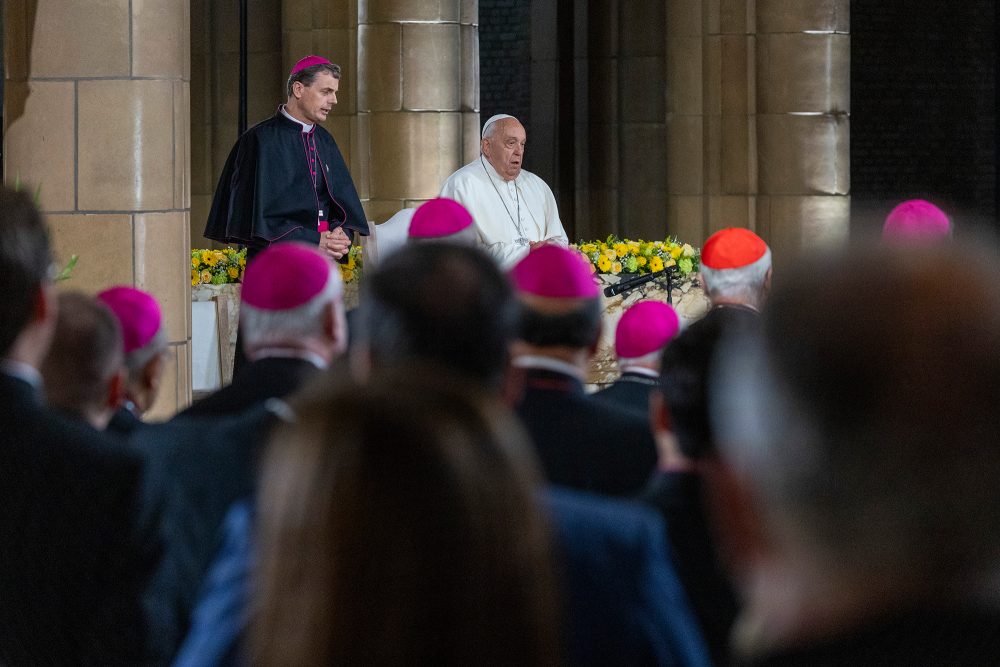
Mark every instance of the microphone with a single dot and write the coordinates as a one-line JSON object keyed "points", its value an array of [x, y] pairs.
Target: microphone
{"points": [[632, 283]]}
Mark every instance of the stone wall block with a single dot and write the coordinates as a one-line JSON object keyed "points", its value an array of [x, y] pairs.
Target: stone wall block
{"points": [[800, 155], [383, 11], [469, 59], [432, 62], [803, 73], [75, 39], [792, 224], [684, 75], [380, 75], [39, 144], [161, 45], [162, 267], [471, 136], [797, 16], [685, 155], [643, 82], [686, 218], [684, 17], [126, 150], [418, 152], [103, 244]]}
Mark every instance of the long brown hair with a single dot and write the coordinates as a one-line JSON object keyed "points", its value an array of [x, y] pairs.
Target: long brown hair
{"points": [[398, 524]]}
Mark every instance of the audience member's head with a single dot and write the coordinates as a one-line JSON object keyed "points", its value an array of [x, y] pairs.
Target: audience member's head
{"points": [[84, 370], [736, 268], [145, 342], [560, 303], [27, 302], [441, 303], [398, 525], [292, 298], [916, 220], [861, 426], [442, 219], [642, 333]]}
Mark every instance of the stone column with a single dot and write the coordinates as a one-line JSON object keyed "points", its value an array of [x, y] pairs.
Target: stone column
{"points": [[757, 101], [418, 99], [97, 113], [803, 100]]}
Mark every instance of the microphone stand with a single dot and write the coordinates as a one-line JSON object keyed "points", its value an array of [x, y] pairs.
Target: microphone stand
{"points": [[624, 287]]}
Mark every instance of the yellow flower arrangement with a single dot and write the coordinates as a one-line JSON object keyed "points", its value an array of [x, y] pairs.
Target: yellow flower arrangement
{"points": [[217, 267], [623, 256]]}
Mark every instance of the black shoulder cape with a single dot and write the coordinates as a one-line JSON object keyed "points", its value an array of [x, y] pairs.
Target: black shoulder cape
{"points": [[265, 193]]}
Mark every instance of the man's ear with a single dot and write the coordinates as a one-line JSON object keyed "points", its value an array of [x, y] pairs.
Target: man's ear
{"points": [[44, 306], [153, 373], [116, 390], [484, 147], [659, 414], [592, 349], [335, 327]]}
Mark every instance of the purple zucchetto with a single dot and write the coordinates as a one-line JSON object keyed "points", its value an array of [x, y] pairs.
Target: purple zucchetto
{"points": [[916, 220], [308, 61], [137, 313], [645, 328], [438, 218], [285, 276], [556, 272]]}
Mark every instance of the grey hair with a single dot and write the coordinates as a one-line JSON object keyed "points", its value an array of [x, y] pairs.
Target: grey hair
{"points": [[137, 360], [745, 283], [307, 75], [260, 327]]}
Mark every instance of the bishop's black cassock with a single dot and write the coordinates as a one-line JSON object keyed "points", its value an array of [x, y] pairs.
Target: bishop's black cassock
{"points": [[269, 191]]}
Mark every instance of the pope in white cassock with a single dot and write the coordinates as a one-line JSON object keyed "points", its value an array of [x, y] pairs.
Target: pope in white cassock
{"points": [[514, 210]]}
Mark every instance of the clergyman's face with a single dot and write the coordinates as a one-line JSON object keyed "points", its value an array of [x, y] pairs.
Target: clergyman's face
{"points": [[316, 100], [505, 148]]}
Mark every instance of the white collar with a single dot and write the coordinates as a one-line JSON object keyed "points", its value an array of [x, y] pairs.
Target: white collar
{"points": [[22, 371], [543, 363], [306, 127], [289, 353], [639, 370]]}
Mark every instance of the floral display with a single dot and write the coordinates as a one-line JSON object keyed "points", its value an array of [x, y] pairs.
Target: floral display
{"points": [[220, 267], [217, 267], [622, 256]]}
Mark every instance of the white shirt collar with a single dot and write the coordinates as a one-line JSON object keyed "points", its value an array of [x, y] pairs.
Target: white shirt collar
{"points": [[22, 371], [289, 353], [306, 127], [542, 363], [639, 370]]}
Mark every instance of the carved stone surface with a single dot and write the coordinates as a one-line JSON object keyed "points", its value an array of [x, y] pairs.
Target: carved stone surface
{"points": [[688, 299]]}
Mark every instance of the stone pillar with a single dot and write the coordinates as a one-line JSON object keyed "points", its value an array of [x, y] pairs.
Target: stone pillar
{"points": [[97, 115], [757, 102], [803, 100], [418, 99]]}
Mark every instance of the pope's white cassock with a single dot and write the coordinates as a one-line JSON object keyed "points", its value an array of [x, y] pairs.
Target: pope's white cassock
{"points": [[509, 214]]}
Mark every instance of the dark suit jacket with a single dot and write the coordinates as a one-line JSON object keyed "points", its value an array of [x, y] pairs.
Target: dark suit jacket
{"points": [[200, 466], [73, 559], [256, 382], [582, 443], [678, 497], [629, 392], [623, 604], [123, 422], [926, 637]]}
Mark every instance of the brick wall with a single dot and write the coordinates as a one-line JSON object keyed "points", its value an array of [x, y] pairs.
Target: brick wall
{"points": [[923, 105], [505, 60]]}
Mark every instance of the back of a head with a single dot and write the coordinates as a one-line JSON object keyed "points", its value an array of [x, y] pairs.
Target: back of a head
{"points": [[86, 353], [286, 297], [735, 265], [865, 415], [439, 302], [398, 525], [25, 262]]}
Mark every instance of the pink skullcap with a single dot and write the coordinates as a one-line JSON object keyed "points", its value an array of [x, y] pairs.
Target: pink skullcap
{"points": [[439, 217], [136, 311], [916, 219], [645, 327], [556, 272], [308, 61], [732, 248], [284, 276]]}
